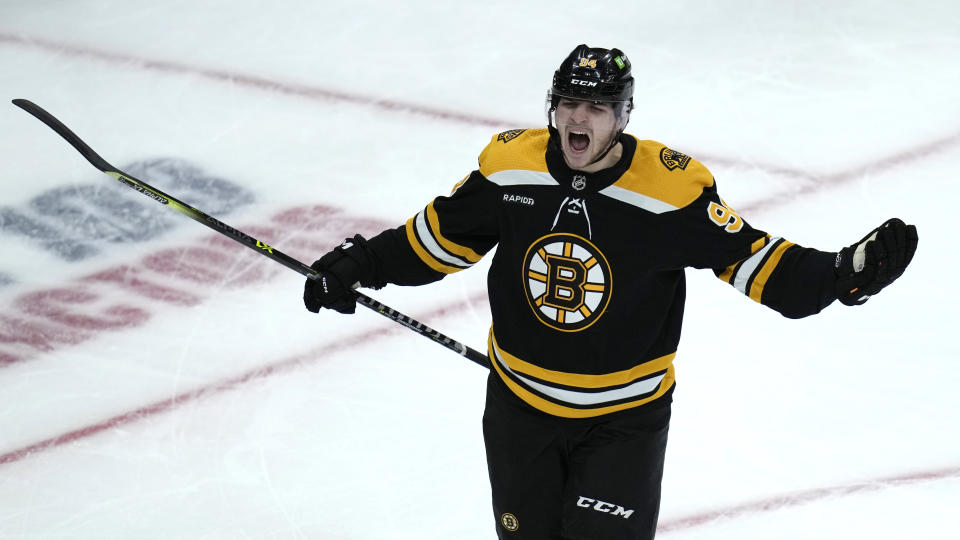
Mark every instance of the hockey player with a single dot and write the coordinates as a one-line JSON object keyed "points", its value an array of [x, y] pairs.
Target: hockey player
{"points": [[594, 229]]}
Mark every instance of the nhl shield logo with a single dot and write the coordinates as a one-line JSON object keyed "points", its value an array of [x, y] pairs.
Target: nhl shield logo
{"points": [[672, 159], [567, 281]]}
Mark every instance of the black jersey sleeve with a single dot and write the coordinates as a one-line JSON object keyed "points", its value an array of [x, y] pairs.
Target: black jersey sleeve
{"points": [[802, 283], [448, 235], [795, 281], [397, 263]]}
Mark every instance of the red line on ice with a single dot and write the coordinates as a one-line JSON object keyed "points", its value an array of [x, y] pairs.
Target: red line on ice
{"points": [[349, 342], [251, 81], [814, 183], [799, 498], [808, 182], [273, 368]]}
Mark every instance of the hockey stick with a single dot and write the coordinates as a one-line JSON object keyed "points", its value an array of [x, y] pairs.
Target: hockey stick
{"points": [[238, 235]]}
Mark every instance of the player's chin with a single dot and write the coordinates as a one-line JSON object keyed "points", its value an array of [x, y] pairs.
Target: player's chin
{"points": [[577, 159]]}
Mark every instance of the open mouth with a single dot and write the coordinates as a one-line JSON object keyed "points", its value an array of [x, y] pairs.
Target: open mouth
{"points": [[578, 140]]}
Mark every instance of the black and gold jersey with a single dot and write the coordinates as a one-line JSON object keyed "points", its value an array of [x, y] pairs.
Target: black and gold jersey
{"points": [[587, 286]]}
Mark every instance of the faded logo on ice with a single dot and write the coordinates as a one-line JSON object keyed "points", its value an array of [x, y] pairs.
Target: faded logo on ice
{"points": [[76, 222]]}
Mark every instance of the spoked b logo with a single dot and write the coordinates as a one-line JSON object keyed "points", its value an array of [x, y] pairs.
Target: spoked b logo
{"points": [[509, 522], [567, 281]]}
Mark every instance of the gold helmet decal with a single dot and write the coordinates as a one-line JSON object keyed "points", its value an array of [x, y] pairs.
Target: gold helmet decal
{"points": [[567, 281]]}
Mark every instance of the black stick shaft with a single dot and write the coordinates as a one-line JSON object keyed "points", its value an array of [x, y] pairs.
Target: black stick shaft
{"points": [[260, 247]]}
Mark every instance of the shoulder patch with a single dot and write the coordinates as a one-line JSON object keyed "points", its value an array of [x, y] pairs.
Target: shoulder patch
{"points": [[509, 135], [511, 163], [654, 183], [672, 159]]}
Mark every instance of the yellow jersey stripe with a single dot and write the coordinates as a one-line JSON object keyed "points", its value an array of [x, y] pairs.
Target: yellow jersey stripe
{"points": [[727, 275], [460, 183], [424, 255], [756, 288], [537, 276], [556, 409], [584, 380]]}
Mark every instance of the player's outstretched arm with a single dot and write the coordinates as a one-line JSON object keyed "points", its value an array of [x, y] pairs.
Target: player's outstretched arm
{"points": [[875, 261]]}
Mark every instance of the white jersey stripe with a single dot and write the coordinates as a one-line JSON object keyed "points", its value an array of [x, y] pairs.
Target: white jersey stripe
{"points": [[636, 389], [520, 177], [431, 245], [637, 199], [750, 265]]}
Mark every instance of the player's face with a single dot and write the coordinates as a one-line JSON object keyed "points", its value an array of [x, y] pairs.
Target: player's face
{"points": [[586, 128]]}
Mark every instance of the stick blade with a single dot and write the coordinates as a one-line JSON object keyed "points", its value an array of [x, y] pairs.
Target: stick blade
{"points": [[53, 123]]}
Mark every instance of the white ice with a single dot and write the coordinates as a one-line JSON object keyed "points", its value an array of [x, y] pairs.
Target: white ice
{"points": [[819, 119]]}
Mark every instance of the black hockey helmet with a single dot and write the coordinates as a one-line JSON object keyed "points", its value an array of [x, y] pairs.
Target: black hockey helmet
{"points": [[594, 74]]}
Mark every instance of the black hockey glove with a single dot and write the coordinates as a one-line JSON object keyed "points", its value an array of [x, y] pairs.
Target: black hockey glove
{"points": [[874, 262], [342, 270]]}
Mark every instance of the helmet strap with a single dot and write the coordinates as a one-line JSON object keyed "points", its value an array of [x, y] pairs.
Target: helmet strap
{"points": [[613, 142]]}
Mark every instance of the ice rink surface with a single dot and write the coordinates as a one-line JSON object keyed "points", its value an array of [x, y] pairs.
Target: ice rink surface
{"points": [[158, 382]]}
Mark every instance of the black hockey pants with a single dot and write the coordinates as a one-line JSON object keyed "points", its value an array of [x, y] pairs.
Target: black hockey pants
{"points": [[573, 479]]}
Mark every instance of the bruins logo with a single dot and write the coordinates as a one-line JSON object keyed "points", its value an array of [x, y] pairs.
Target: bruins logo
{"points": [[509, 135], [509, 522], [673, 160], [567, 281]]}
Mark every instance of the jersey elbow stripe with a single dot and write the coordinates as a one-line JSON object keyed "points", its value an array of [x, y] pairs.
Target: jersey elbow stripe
{"points": [[760, 280], [421, 247], [750, 268], [728, 273]]}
